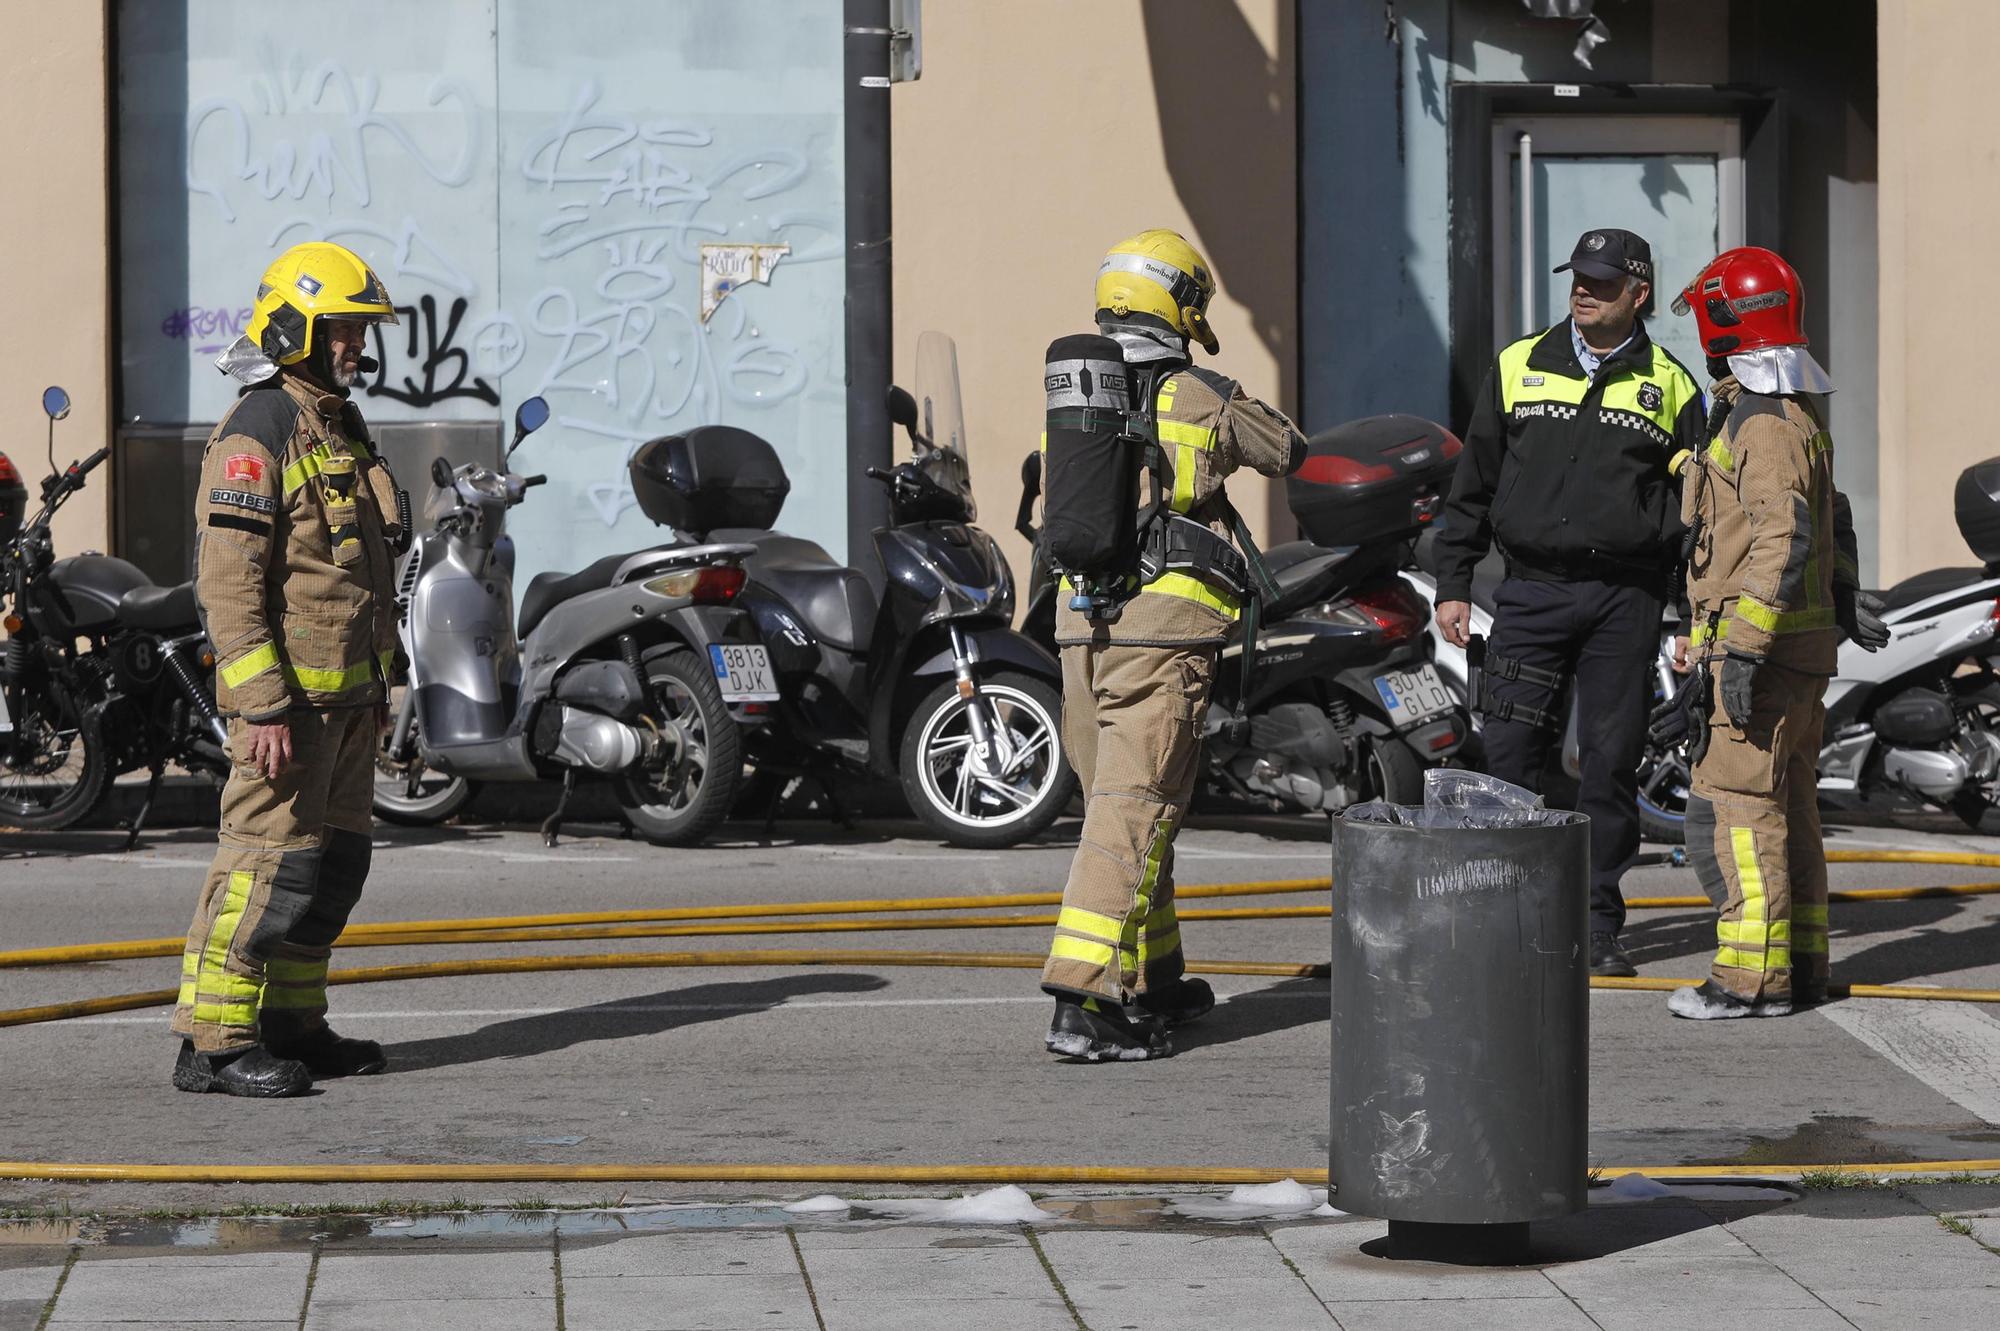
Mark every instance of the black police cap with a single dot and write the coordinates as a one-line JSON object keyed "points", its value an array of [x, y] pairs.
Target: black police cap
{"points": [[1608, 252]]}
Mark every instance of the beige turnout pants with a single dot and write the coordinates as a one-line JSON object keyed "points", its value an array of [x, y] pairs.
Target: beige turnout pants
{"points": [[290, 862], [1132, 719], [1771, 935]]}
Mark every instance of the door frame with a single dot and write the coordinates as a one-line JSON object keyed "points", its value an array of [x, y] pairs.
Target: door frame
{"points": [[1572, 136], [1475, 107]]}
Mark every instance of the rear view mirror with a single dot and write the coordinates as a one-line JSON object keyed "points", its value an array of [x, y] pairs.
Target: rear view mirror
{"points": [[55, 401], [531, 415], [902, 408]]}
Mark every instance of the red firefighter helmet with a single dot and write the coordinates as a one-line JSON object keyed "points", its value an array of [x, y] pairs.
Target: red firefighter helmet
{"points": [[1745, 299]]}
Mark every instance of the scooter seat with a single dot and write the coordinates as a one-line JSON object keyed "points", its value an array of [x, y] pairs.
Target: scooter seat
{"points": [[546, 591], [1926, 585], [835, 601], [161, 609]]}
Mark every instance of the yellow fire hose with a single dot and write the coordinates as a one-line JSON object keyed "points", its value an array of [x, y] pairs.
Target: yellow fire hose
{"points": [[767, 919]]}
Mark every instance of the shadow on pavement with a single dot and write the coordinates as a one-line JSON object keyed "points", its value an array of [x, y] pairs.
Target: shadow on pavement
{"points": [[619, 1019], [1280, 1007]]}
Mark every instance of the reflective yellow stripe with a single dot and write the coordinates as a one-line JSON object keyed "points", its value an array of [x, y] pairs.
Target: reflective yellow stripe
{"points": [[294, 972], [1186, 434], [1719, 452], [1184, 465], [1155, 949], [249, 665], [1190, 588], [1149, 881], [226, 1014], [235, 899], [1818, 444], [1090, 923], [331, 681], [1775, 957], [1809, 941], [311, 464], [294, 996], [1744, 845], [1755, 613], [1753, 933], [1701, 633], [1810, 914], [1066, 948]]}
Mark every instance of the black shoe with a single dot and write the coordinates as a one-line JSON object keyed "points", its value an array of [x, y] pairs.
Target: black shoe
{"points": [[328, 1055], [1711, 1002], [256, 1072], [1608, 958], [1181, 1002], [1097, 1031]]}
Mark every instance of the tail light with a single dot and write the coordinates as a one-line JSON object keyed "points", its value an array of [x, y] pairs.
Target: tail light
{"points": [[1390, 607], [703, 586], [1332, 469]]}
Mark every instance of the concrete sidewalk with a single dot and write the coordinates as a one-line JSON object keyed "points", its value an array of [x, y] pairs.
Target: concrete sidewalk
{"points": [[1918, 1255]]}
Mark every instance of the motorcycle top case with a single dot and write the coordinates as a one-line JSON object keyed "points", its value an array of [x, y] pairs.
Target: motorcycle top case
{"points": [[711, 477], [1976, 503], [1379, 478], [13, 501], [1091, 464]]}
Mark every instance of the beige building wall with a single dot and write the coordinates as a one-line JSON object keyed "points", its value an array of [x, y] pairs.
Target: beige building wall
{"points": [[55, 230], [1940, 193], [1044, 131]]}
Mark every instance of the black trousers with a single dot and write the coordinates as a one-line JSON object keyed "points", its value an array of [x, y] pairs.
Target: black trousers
{"points": [[1605, 638]]}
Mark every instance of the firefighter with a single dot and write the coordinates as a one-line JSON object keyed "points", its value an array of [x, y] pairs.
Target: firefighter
{"points": [[297, 527], [1137, 672], [1771, 586], [1568, 470]]}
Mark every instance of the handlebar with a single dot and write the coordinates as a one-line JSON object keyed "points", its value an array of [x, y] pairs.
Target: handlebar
{"points": [[530, 482], [877, 474]]}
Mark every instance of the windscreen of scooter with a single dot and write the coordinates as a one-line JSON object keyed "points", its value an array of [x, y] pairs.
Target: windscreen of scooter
{"points": [[942, 451]]}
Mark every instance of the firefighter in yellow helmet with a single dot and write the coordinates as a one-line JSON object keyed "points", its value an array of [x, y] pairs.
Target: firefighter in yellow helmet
{"points": [[298, 524], [1138, 664]]}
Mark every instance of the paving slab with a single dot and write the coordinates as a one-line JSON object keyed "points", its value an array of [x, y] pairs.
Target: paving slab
{"points": [[432, 1315], [1900, 1310], [441, 1289], [24, 1293], [1553, 1312], [193, 1288], [1178, 1280], [1331, 1259], [687, 1303], [1024, 1314], [730, 1253], [1902, 1253]]}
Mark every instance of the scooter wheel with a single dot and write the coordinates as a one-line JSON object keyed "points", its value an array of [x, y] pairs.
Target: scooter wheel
{"points": [[682, 802], [966, 805]]}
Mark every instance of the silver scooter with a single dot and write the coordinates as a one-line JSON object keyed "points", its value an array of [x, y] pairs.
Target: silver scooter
{"points": [[639, 669]]}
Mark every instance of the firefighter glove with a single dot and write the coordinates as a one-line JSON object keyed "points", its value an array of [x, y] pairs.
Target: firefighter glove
{"points": [[1738, 674], [1859, 615]]}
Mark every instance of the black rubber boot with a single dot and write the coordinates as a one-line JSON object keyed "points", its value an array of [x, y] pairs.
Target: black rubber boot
{"points": [[1607, 957], [1099, 1031], [328, 1055], [1181, 1002], [256, 1073]]}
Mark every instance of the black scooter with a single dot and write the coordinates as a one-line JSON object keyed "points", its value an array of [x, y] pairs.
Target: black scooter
{"points": [[1344, 705], [926, 684], [104, 672]]}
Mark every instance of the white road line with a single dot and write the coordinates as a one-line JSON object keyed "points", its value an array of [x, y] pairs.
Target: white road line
{"points": [[1953, 1048], [628, 1008], [1210, 853], [522, 856]]}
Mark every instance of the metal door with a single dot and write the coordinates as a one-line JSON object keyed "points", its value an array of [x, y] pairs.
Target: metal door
{"points": [[1676, 180]]}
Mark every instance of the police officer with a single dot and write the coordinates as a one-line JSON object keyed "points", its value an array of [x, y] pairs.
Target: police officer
{"points": [[1569, 469], [296, 528], [1771, 585], [1136, 682]]}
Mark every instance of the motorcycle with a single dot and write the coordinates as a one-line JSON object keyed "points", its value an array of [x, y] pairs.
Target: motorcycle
{"points": [[612, 671], [924, 684], [1345, 704], [137, 693]]}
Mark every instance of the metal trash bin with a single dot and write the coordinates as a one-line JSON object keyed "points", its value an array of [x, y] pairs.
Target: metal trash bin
{"points": [[1461, 1024]]}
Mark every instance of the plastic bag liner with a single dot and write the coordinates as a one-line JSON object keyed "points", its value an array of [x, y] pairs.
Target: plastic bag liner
{"points": [[1460, 1005]]}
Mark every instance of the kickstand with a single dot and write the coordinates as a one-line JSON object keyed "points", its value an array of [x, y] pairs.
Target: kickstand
{"points": [[552, 825], [138, 824], [834, 808]]}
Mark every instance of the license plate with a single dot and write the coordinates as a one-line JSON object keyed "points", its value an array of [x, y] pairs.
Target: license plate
{"points": [[6, 721], [1413, 696], [743, 672]]}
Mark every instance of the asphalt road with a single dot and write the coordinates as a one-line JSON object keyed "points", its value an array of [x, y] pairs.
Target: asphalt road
{"points": [[859, 1064]]}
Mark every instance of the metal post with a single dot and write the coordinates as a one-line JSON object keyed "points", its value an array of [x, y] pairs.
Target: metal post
{"points": [[1527, 274], [865, 73]]}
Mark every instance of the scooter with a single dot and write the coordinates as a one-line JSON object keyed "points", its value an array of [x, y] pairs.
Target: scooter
{"points": [[925, 684], [1344, 704], [620, 671], [104, 672]]}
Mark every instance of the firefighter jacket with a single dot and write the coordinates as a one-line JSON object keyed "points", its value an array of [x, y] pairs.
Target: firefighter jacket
{"points": [[1569, 473], [1769, 544], [1207, 428], [294, 569]]}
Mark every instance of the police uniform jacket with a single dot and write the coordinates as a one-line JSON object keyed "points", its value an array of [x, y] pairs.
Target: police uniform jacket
{"points": [[1771, 542], [1208, 427], [294, 570], [1570, 474]]}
